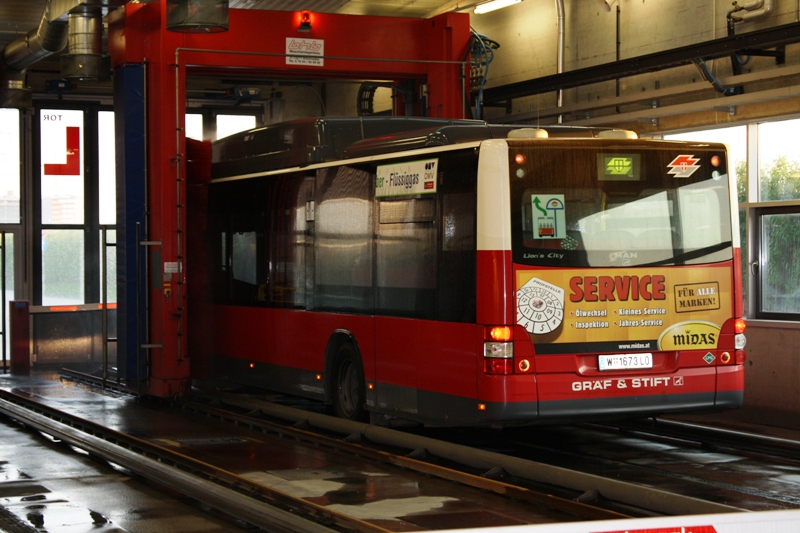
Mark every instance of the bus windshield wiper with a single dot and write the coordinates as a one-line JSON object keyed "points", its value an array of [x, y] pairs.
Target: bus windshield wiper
{"points": [[681, 259]]}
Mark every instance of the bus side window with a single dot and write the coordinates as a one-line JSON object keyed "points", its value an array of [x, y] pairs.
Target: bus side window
{"points": [[343, 231], [247, 258], [406, 256], [289, 241]]}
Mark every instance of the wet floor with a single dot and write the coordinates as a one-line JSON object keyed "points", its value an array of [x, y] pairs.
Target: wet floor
{"points": [[44, 489], [392, 498]]}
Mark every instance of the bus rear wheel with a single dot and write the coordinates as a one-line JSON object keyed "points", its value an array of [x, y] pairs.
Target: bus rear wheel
{"points": [[349, 396]]}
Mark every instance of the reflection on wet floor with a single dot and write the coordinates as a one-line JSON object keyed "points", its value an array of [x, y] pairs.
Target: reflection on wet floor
{"points": [[27, 506]]}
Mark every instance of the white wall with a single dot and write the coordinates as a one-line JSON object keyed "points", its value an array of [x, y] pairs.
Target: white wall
{"points": [[528, 37]]}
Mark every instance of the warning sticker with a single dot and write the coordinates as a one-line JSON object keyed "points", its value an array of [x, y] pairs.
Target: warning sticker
{"points": [[548, 216]]}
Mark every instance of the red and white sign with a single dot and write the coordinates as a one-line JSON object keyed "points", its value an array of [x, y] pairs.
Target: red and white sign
{"points": [[681, 529], [306, 52], [683, 166], [762, 521]]}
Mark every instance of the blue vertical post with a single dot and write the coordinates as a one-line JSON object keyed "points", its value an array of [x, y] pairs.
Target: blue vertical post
{"points": [[130, 124]]}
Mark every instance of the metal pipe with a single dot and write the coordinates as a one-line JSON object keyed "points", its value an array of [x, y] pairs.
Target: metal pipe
{"points": [[755, 10], [104, 299], [85, 34], [560, 53], [49, 38], [3, 289]]}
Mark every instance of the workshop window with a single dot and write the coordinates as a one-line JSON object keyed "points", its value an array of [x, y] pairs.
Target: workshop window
{"points": [[74, 211], [230, 124], [62, 267], [767, 166], [212, 124], [10, 167], [62, 166]]}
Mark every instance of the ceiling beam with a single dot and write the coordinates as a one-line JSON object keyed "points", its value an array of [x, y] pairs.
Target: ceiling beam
{"points": [[723, 47]]}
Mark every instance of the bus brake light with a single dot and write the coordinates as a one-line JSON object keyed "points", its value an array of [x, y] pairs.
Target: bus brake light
{"points": [[498, 366]]}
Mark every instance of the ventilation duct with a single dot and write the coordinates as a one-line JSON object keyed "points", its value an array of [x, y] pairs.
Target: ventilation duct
{"points": [[50, 37], [197, 16], [63, 22], [85, 60]]}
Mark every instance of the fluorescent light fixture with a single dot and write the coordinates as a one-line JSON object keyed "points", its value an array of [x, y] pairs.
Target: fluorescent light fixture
{"points": [[494, 4]]}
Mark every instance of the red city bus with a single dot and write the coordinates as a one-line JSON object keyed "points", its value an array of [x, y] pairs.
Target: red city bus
{"points": [[455, 273]]}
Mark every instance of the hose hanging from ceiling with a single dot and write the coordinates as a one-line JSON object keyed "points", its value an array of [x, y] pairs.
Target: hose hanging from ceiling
{"points": [[481, 53]]}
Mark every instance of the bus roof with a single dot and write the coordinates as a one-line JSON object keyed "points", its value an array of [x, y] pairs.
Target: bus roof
{"points": [[305, 142]]}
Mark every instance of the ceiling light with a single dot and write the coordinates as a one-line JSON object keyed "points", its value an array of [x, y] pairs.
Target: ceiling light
{"points": [[494, 4]]}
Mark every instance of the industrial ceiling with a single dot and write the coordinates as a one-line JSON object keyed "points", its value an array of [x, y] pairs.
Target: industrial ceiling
{"points": [[17, 17]]}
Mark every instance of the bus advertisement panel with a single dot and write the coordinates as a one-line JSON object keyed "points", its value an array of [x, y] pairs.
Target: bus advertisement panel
{"points": [[654, 308]]}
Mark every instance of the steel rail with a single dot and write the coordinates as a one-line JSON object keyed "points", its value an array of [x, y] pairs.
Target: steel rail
{"points": [[234, 495], [716, 437], [628, 494], [484, 483], [501, 488]]}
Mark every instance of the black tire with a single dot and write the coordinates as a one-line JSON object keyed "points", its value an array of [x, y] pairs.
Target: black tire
{"points": [[349, 392]]}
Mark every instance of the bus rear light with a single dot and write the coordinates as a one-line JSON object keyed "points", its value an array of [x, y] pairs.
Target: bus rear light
{"points": [[498, 350], [498, 333], [740, 357], [481, 407], [739, 325], [498, 366], [739, 341], [725, 358]]}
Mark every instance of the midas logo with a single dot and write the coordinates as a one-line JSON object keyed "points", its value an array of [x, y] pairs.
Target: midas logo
{"points": [[692, 334]]}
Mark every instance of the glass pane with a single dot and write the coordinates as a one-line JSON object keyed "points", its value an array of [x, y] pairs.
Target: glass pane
{"points": [[592, 204], [194, 126], [244, 257], [743, 239], [230, 124], [9, 166], [110, 266], [62, 166], [736, 139], [780, 275], [62, 267], [778, 160], [106, 156]]}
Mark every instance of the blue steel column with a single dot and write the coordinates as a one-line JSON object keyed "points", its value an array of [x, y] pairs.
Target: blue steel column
{"points": [[130, 126]]}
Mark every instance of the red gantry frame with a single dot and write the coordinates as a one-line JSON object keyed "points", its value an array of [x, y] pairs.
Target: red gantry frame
{"points": [[150, 69]]}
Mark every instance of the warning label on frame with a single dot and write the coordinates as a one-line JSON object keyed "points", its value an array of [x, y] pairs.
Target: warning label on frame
{"points": [[306, 52]]}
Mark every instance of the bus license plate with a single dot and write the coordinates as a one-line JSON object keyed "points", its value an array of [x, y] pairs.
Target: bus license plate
{"points": [[625, 361]]}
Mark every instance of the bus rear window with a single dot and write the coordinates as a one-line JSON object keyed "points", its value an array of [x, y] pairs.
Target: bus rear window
{"points": [[611, 206]]}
